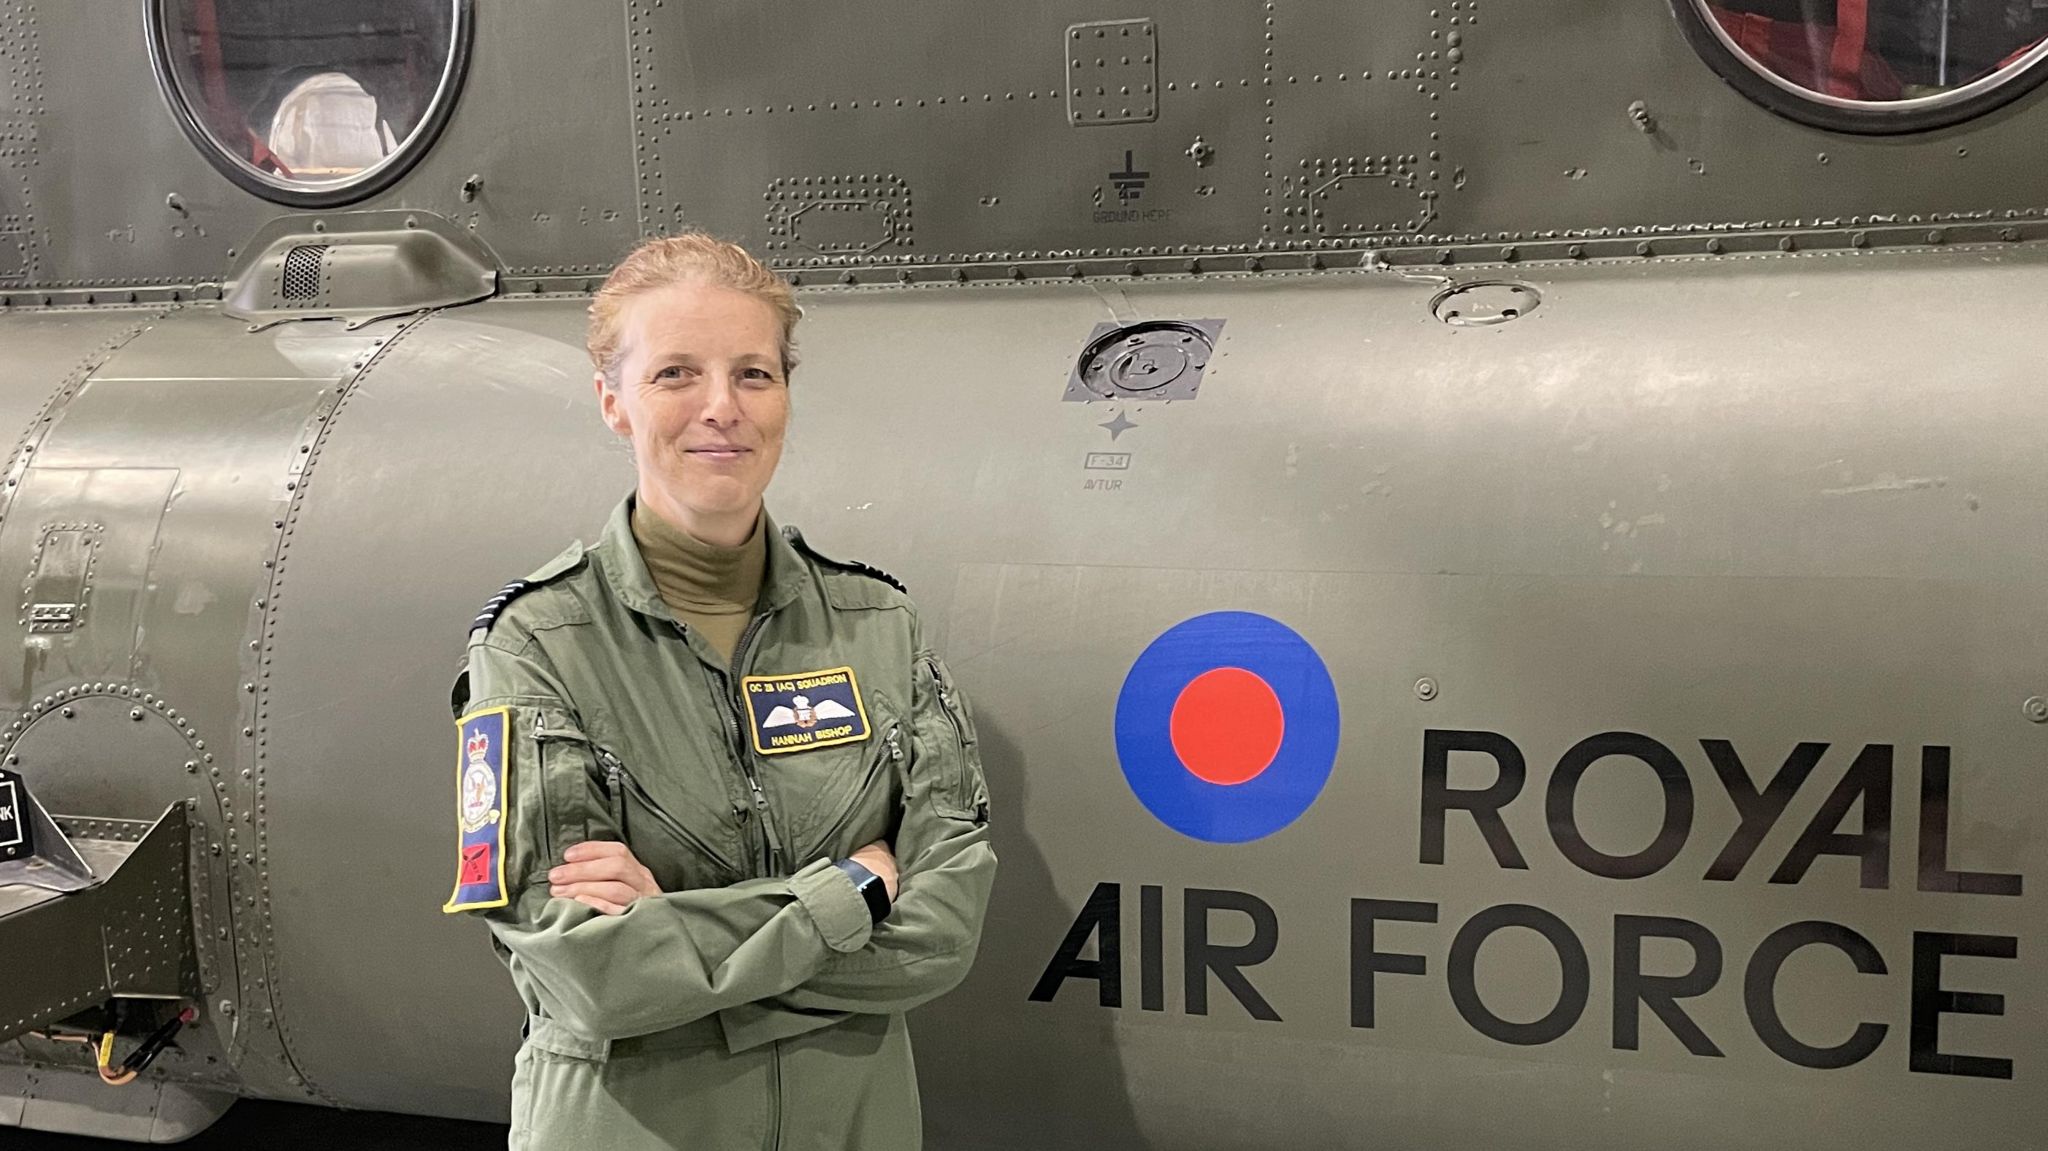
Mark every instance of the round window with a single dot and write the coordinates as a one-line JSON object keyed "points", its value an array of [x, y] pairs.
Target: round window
{"points": [[1872, 65], [311, 102]]}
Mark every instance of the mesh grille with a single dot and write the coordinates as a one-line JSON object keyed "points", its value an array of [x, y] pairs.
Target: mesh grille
{"points": [[302, 271]]}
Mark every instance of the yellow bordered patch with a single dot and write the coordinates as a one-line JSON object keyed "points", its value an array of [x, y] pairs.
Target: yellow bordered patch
{"points": [[806, 710], [482, 771]]}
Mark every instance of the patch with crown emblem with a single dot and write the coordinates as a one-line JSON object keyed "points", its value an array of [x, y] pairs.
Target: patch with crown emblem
{"points": [[480, 770], [807, 710]]}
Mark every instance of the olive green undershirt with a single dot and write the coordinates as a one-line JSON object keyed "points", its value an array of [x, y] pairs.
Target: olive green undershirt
{"points": [[711, 589]]}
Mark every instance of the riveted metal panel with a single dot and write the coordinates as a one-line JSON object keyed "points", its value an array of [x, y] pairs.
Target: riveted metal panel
{"points": [[113, 515], [972, 120], [1541, 136], [158, 214], [21, 108], [545, 121], [74, 1101], [102, 111], [183, 447], [1112, 73], [427, 419], [1767, 552], [1322, 126]]}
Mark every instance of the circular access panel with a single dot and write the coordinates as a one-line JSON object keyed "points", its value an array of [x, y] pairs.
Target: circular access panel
{"points": [[311, 103], [1860, 66], [1485, 303], [1145, 359]]}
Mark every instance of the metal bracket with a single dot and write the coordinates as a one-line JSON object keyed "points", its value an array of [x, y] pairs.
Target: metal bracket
{"points": [[128, 934]]}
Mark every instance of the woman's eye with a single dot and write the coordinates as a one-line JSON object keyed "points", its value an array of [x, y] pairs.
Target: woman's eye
{"points": [[672, 372]]}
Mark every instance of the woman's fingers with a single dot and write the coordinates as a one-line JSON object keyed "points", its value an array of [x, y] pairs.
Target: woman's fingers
{"points": [[624, 870], [604, 906], [602, 860], [613, 896], [596, 849]]}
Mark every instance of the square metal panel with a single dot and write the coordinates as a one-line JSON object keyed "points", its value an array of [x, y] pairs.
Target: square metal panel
{"points": [[1112, 72]]}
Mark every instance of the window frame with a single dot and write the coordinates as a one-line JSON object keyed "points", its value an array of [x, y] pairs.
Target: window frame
{"points": [[360, 186], [1780, 96]]}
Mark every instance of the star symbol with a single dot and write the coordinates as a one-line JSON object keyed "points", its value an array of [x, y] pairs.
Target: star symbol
{"points": [[1117, 426]]}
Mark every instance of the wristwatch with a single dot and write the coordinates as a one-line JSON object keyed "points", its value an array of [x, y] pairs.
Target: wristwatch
{"points": [[871, 888]]}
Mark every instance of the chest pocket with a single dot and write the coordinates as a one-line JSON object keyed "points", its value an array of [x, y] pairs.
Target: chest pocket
{"points": [[841, 798], [679, 857], [593, 795]]}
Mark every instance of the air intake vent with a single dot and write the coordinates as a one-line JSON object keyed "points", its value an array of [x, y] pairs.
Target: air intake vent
{"points": [[302, 271], [356, 267]]}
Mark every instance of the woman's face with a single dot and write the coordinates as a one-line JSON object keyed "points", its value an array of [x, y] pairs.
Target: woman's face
{"points": [[700, 393]]}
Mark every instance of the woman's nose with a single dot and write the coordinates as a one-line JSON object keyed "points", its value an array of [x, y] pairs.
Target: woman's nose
{"points": [[722, 402]]}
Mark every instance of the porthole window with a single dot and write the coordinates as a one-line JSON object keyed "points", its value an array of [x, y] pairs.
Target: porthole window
{"points": [[311, 102], [1872, 66]]}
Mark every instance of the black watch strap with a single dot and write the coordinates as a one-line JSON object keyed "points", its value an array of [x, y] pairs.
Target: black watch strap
{"points": [[871, 889]]}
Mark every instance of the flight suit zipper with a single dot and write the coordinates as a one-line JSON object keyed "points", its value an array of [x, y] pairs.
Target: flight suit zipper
{"points": [[619, 781], [615, 789], [979, 811], [946, 703], [771, 842]]}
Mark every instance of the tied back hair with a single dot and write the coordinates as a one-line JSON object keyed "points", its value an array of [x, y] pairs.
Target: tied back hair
{"points": [[689, 258]]}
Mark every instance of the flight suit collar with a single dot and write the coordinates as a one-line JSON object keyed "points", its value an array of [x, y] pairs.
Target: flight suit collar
{"points": [[618, 557]]}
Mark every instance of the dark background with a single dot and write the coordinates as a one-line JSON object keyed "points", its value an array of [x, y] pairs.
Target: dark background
{"points": [[258, 1123]]}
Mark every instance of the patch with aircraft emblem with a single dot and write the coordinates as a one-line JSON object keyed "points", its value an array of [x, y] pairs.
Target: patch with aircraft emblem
{"points": [[480, 779], [806, 710]]}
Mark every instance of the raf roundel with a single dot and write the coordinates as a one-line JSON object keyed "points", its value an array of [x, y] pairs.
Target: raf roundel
{"points": [[1227, 727]]}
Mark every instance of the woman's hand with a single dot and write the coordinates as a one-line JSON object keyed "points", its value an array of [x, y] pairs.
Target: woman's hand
{"points": [[877, 857], [603, 874]]}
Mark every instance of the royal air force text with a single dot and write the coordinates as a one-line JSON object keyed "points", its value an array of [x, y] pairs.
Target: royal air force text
{"points": [[1388, 935]]}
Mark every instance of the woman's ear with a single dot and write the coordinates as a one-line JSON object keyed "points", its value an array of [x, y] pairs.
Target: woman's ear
{"points": [[610, 407]]}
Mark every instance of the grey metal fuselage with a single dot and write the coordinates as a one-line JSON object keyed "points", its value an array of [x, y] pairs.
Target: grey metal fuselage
{"points": [[1763, 468]]}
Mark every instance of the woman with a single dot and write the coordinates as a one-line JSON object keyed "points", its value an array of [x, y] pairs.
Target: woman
{"points": [[720, 802]]}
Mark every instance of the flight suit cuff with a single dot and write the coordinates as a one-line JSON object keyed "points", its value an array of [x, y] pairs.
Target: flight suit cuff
{"points": [[835, 905]]}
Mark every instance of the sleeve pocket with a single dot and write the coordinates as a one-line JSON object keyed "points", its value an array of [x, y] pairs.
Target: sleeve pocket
{"points": [[565, 768], [959, 788]]}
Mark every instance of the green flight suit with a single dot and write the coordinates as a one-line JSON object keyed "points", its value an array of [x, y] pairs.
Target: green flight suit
{"points": [[751, 1006]]}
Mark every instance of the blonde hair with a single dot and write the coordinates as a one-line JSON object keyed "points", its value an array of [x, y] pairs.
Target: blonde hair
{"points": [[692, 257]]}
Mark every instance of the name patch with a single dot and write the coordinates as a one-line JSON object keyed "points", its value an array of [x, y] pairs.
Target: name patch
{"points": [[806, 710], [480, 777]]}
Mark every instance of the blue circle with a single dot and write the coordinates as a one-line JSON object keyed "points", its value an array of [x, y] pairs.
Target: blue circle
{"points": [[1269, 801]]}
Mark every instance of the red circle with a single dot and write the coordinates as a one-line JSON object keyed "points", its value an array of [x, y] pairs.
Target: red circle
{"points": [[1227, 725]]}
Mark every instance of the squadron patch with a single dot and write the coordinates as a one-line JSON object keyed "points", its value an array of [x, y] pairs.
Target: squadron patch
{"points": [[807, 710], [480, 769]]}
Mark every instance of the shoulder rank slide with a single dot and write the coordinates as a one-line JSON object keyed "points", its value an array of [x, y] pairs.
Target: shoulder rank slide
{"points": [[488, 616], [797, 540], [482, 768]]}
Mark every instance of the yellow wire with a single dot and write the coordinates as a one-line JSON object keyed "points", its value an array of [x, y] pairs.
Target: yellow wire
{"points": [[105, 1056]]}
